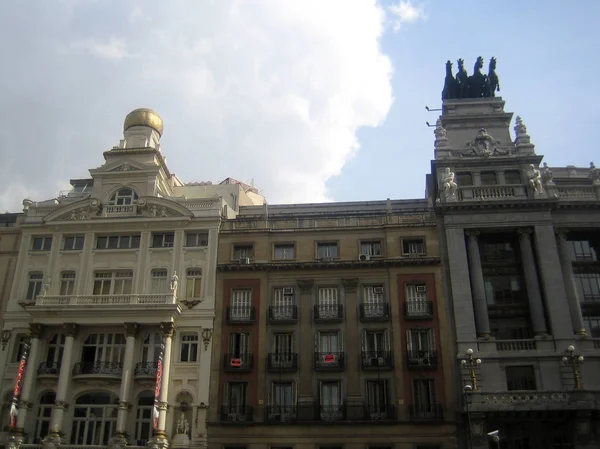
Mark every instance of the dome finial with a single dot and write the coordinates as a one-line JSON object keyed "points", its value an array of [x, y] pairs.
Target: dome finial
{"points": [[144, 117]]}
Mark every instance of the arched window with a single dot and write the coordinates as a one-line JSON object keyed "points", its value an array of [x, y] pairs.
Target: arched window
{"points": [[143, 418], [94, 418], [43, 416], [123, 197]]}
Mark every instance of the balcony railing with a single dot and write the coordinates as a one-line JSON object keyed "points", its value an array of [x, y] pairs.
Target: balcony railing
{"points": [[330, 412], [516, 345], [342, 412], [283, 314], [422, 359], [237, 414], [370, 412], [145, 369], [426, 412], [374, 311], [417, 309], [104, 300], [98, 368], [237, 362], [282, 362], [325, 361], [376, 360], [281, 413], [328, 313], [120, 210], [49, 369], [238, 315]]}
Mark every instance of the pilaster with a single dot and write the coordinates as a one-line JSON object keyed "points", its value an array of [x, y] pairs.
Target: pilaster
{"points": [[305, 388], [477, 285]]}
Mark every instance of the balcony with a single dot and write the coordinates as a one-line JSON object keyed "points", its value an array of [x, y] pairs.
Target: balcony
{"points": [[370, 412], [282, 362], [330, 412], [329, 361], [330, 313], [422, 359], [237, 362], [371, 312], [105, 300], [241, 315], [376, 360], [426, 412], [281, 413], [145, 369], [123, 210], [49, 369], [283, 314], [418, 309], [533, 401], [237, 414], [516, 345], [98, 369]]}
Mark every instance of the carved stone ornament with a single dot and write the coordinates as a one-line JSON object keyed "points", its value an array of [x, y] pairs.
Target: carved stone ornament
{"points": [[207, 334], [441, 139], [70, 329], [190, 303], [547, 177], [61, 404], [535, 181], [131, 329], [85, 212], [167, 329], [521, 136], [36, 330], [449, 187], [484, 145]]}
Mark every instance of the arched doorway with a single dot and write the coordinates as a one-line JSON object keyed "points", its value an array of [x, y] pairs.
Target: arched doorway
{"points": [[94, 418]]}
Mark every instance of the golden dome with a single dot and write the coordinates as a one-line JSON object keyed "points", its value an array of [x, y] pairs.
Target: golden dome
{"points": [[144, 117]]}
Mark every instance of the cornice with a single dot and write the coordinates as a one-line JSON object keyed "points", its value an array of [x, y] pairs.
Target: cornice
{"points": [[547, 204], [333, 265]]}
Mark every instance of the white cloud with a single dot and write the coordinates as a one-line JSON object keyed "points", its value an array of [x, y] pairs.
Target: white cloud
{"points": [[265, 89], [405, 12]]}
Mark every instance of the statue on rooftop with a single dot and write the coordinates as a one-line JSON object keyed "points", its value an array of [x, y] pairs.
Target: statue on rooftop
{"points": [[535, 180], [449, 185], [478, 85], [493, 84], [450, 83], [462, 80], [478, 81]]}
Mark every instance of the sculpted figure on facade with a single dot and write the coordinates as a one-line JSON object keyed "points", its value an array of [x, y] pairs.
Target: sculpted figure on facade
{"points": [[46, 286], [450, 186], [174, 283], [547, 177], [535, 180], [183, 427]]}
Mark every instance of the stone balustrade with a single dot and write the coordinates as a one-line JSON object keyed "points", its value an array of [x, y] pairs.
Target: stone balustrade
{"points": [[94, 300]]}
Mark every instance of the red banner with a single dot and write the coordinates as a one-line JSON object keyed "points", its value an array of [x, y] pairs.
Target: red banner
{"points": [[159, 370], [14, 405]]}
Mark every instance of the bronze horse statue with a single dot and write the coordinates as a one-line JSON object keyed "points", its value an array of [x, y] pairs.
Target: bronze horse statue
{"points": [[478, 81], [450, 84], [462, 80], [493, 85]]}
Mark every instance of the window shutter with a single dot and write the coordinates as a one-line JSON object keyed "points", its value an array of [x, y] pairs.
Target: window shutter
{"points": [[408, 340]]}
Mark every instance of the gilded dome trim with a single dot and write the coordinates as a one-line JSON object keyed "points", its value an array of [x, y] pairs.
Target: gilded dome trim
{"points": [[144, 117]]}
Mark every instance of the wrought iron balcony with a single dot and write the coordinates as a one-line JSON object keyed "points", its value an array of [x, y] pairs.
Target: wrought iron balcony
{"points": [[49, 369], [281, 413], [283, 314], [146, 369], [329, 361], [331, 412], [237, 362], [282, 362], [426, 412], [422, 359], [370, 412], [236, 414], [240, 315], [98, 368], [418, 309], [329, 313], [374, 312], [376, 360]]}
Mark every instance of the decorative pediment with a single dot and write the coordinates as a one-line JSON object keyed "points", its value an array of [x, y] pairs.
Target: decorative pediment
{"points": [[125, 167], [121, 166], [80, 210], [151, 206]]}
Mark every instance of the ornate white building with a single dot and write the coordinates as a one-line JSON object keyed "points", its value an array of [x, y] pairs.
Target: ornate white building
{"points": [[109, 275]]}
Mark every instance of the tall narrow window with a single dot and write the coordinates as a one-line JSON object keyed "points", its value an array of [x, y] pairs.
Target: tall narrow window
{"points": [[113, 282], [373, 305], [94, 419], [151, 347], [241, 305], [20, 342], [329, 305], [143, 418], [53, 355], [189, 348], [42, 425], [330, 399], [159, 280], [34, 286], [102, 354], [424, 398], [236, 398], [417, 304], [193, 283], [283, 304], [67, 283], [283, 401], [377, 399]]}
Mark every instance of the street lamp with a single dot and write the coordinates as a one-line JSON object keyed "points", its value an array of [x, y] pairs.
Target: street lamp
{"points": [[466, 390], [575, 361], [471, 363]]}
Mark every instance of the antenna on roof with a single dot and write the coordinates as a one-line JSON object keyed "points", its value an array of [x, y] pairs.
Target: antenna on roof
{"points": [[431, 110]]}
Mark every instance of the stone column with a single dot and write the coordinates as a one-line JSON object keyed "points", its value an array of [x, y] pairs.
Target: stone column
{"points": [[482, 320], [536, 305], [306, 399], [120, 437], [18, 434], [167, 330], [64, 379], [570, 287]]}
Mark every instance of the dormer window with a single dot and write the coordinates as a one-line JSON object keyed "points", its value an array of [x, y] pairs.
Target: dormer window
{"points": [[123, 197]]}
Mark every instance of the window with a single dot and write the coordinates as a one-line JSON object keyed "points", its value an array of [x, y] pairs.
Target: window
{"points": [[488, 178], [151, 347], [504, 290], [330, 400], [413, 247], [592, 325], [520, 378], [377, 399], [283, 347], [94, 419], [67, 283], [373, 303], [424, 397], [243, 251], [189, 348], [416, 300], [588, 285], [498, 250], [371, 248], [329, 342], [4, 412], [196, 239], [102, 353], [375, 342], [193, 283], [54, 354], [143, 418], [420, 341], [123, 197], [163, 239], [284, 251], [464, 179], [118, 242], [326, 250], [41, 244], [34, 285], [328, 307], [283, 304], [241, 305], [236, 400], [158, 280], [583, 250], [239, 348], [283, 401], [73, 243], [42, 425], [512, 177], [514, 328], [113, 282], [20, 342]]}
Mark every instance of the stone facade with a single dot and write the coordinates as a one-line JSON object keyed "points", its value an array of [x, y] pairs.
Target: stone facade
{"points": [[10, 239], [520, 246], [111, 276], [332, 329]]}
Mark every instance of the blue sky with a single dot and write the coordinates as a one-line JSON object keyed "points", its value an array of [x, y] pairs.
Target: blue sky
{"points": [[313, 100]]}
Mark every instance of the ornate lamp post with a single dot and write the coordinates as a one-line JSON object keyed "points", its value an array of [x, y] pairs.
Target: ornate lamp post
{"points": [[575, 361], [471, 363]]}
